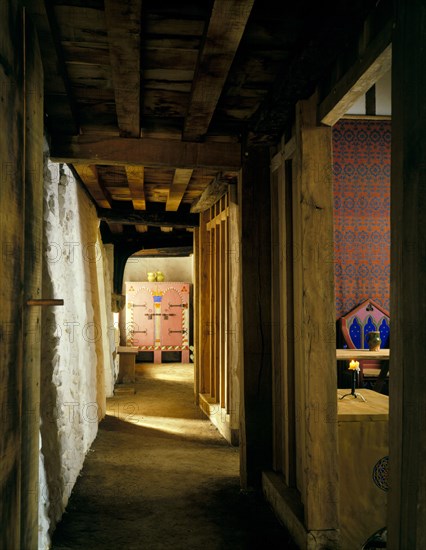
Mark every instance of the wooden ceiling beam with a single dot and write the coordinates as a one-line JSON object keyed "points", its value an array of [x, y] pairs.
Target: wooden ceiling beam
{"points": [[141, 228], [211, 194], [177, 251], [123, 20], [226, 26], [88, 174], [181, 179], [135, 180], [101, 149], [116, 228], [156, 219], [43, 15], [372, 64]]}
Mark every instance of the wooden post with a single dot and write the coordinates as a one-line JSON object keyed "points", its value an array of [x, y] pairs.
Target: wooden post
{"points": [[285, 200], [315, 361], [407, 495], [12, 163], [212, 313], [235, 349], [222, 290], [196, 313], [225, 304], [276, 315], [217, 320], [33, 233], [256, 375], [204, 332]]}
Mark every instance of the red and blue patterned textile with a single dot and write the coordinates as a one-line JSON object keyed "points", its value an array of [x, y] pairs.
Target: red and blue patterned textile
{"points": [[361, 168]]}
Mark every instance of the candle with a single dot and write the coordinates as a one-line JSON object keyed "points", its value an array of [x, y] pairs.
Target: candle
{"points": [[353, 365]]}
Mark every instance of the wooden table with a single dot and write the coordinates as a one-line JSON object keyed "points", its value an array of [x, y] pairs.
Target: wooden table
{"points": [[349, 354], [363, 442]]}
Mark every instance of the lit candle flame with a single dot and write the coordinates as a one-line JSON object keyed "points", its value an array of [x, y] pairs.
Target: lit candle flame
{"points": [[354, 365]]}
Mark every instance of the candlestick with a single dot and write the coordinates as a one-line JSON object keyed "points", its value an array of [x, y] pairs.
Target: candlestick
{"points": [[354, 367]]}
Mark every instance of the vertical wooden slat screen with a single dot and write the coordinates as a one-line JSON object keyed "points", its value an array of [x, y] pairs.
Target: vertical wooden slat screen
{"points": [[203, 351], [215, 344], [196, 310]]}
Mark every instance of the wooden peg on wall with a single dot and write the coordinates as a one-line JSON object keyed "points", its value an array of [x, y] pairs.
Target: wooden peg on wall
{"points": [[45, 302]]}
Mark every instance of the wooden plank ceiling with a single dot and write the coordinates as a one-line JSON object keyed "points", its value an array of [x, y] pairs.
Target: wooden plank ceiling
{"points": [[150, 101]]}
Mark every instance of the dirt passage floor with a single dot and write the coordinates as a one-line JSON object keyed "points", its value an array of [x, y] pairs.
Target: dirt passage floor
{"points": [[159, 475]]}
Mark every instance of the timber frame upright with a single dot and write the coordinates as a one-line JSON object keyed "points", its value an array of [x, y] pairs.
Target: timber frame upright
{"points": [[407, 435], [303, 483], [21, 223]]}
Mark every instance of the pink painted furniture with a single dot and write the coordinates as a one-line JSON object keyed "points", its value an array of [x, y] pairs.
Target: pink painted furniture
{"points": [[355, 325], [157, 317]]}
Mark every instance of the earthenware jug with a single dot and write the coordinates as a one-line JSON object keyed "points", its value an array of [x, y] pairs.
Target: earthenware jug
{"points": [[374, 340]]}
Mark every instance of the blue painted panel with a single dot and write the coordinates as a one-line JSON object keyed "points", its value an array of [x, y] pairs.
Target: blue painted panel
{"points": [[355, 332], [384, 333]]}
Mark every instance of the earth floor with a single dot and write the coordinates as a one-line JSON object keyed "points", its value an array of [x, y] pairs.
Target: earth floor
{"points": [[159, 475]]}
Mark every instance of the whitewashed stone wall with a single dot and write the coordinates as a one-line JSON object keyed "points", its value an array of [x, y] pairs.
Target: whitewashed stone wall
{"points": [[77, 368]]}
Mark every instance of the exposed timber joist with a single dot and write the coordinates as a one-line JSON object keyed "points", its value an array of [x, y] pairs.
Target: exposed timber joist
{"points": [[43, 15], [135, 180], [157, 219], [177, 190], [90, 177], [101, 149], [176, 251], [373, 63], [124, 25], [116, 228], [211, 194], [141, 228], [226, 27]]}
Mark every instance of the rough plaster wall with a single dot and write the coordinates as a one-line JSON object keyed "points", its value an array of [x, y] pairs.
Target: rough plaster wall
{"points": [[174, 269], [77, 364]]}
